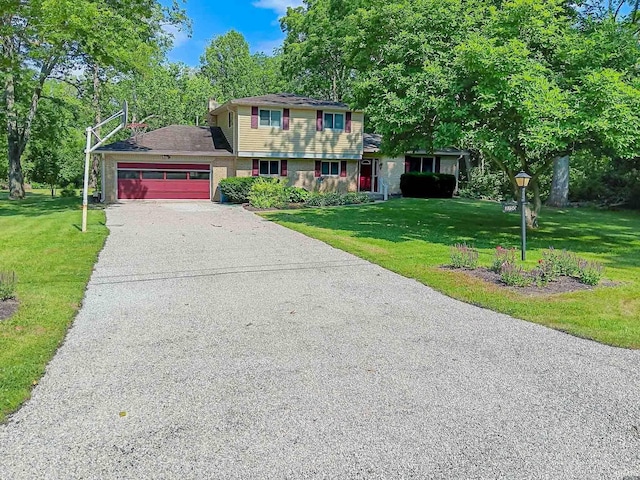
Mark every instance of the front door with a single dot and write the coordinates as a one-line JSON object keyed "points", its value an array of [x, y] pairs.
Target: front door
{"points": [[365, 177]]}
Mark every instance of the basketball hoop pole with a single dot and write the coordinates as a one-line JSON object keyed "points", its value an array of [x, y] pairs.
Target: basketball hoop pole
{"points": [[91, 131]]}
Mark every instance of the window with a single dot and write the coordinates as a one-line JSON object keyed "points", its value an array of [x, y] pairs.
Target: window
{"points": [[176, 175], [334, 121], [128, 174], [269, 167], [199, 175], [153, 175], [421, 164], [330, 168], [271, 118]]}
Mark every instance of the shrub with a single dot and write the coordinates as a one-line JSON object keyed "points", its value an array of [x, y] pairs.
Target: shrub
{"points": [[8, 282], [555, 264], [487, 185], [590, 273], [237, 189], [501, 256], [269, 193], [330, 199], [297, 194], [514, 275], [427, 185], [464, 256], [68, 192]]}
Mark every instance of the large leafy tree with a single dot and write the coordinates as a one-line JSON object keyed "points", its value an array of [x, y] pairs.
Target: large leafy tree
{"points": [[231, 68], [522, 81], [43, 39], [315, 55]]}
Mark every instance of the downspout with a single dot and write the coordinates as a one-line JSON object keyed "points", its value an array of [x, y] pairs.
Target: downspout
{"points": [[102, 172]]}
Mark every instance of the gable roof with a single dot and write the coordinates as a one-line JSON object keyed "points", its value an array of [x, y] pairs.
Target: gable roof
{"points": [[286, 100], [372, 142], [175, 139]]}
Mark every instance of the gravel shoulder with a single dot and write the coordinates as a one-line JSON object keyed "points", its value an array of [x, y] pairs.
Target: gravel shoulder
{"points": [[215, 344]]}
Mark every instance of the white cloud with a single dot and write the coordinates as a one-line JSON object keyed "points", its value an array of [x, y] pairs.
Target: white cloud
{"points": [[280, 6], [179, 36]]}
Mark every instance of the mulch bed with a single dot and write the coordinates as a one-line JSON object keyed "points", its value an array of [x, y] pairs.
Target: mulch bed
{"points": [[8, 308], [562, 285]]}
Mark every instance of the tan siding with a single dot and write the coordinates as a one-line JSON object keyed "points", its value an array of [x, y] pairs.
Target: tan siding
{"points": [[223, 123], [301, 138], [301, 173], [221, 168], [393, 168]]}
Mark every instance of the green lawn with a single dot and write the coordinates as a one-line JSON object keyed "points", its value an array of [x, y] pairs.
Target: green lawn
{"points": [[413, 237], [40, 240]]}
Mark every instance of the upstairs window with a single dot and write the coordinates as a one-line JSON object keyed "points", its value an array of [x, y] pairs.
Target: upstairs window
{"points": [[334, 121], [271, 118]]}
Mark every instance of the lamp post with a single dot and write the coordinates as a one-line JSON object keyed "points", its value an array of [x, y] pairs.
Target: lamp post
{"points": [[522, 180]]}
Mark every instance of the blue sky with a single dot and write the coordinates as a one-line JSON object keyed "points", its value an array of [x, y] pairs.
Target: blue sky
{"points": [[257, 20]]}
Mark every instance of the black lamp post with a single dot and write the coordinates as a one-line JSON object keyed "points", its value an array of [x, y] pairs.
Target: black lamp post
{"points": [[522, 180]]}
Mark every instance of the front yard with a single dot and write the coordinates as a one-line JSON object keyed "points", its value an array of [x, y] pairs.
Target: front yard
{"points": [[413, 238], [41, 241]]}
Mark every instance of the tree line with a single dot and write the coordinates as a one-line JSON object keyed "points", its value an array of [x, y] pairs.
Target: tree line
{"points": [[523, 84]]}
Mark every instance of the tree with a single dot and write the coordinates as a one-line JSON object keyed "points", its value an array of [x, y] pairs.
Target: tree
{"points": [[44, 39], [522, 83], [229, 66], [314, 52], [52, 154]]}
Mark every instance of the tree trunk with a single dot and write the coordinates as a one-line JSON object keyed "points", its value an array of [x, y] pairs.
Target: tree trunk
{"points": [[95, 166], [14, 147], [532, 213], [559, 196]]}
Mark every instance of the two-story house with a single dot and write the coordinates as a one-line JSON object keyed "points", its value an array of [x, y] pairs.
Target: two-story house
{"points": [[315, 144]]}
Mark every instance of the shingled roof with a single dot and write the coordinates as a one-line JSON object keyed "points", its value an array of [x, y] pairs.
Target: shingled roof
{"points": [[288, 100], [175, 139], [372, 142]]}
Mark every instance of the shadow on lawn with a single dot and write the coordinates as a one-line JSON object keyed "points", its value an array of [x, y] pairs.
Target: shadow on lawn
{"points": [[36, 204], [614, 236]]}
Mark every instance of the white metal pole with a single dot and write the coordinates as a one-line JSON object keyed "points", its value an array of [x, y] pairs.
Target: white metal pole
{"points": [[85, 192]]}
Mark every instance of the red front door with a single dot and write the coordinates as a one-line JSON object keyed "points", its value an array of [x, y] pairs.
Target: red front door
{"points": [[365, 177]]}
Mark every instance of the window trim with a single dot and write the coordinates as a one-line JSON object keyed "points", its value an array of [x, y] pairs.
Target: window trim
{"points": [[269, 168], [270, 110], [422, 163], [333, 114], [322, 162]]}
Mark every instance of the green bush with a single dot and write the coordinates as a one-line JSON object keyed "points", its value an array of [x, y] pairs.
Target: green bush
{"points": [[68, 192], [331, 199], [514, 275], [8, 282], [237, 189], [427, 185], [269, 193], [590, 273], [501, 256], [297, 194], [464, 256], [486, 185]]}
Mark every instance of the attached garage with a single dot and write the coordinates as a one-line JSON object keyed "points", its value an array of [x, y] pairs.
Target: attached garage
{"points": [[164, 181], [178, 162]]}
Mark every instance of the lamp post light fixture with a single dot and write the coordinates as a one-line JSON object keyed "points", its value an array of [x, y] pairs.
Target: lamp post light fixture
{"points": [[522, 180]]}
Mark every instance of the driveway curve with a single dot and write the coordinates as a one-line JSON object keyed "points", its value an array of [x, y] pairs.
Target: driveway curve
{"points": [[214, 344]]}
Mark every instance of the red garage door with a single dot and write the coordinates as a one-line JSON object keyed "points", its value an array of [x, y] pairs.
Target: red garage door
{"points": [[163, 181]]}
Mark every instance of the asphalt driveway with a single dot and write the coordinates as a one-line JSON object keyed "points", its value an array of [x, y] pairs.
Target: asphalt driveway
{"points": [[214, 344]]}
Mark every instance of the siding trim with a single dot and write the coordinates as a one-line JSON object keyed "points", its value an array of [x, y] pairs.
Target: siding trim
{"points": [[327, 156]]}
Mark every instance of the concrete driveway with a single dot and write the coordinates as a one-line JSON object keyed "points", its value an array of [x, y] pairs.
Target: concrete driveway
{"points": [[214, 344]]}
